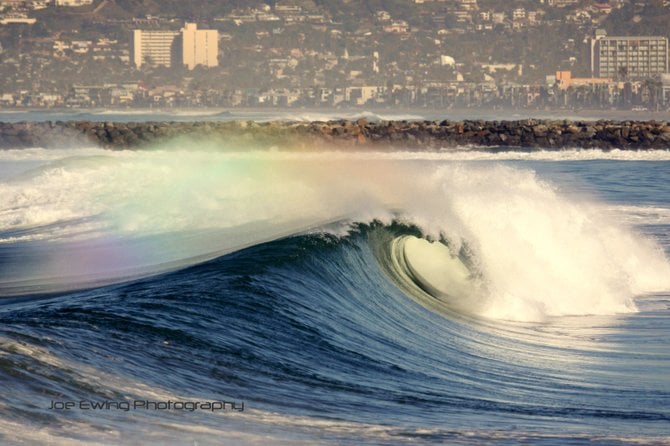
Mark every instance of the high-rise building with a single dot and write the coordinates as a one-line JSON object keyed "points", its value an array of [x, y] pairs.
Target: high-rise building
{"points": [[635, 57], [153, 47], [189, 47], [199, 46]]}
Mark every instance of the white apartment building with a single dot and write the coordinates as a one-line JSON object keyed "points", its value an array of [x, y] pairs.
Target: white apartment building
{"points": [[637, 57], [199, 46]]}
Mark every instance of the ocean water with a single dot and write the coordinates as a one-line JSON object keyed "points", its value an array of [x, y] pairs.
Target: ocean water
{"points": [[204, 296]]}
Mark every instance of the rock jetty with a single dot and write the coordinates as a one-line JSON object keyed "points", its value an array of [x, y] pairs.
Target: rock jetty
{"points": [[413, 135]]}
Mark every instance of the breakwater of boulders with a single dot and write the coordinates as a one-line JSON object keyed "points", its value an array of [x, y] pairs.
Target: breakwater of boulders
{"points": [[412, 135]]}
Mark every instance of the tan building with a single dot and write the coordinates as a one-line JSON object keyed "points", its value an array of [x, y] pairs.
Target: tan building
{"points": [[561, 3], [565, 80], [199, 46], [361, 95], [73, 2], [153, 47], [189, 47], [17, 18], [469, 5]]}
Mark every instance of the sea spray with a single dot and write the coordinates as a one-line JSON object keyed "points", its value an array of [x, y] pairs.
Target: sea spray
{"points": [[542, 253]]}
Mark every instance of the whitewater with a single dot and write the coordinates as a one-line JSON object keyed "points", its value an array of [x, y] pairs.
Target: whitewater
{"points": [[368, 297]]}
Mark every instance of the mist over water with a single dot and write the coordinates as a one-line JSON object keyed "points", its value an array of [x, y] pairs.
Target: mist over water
{"points": [[92, 217]]}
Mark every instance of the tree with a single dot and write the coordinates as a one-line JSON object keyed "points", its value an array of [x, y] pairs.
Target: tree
{"points": [[622, 73]]}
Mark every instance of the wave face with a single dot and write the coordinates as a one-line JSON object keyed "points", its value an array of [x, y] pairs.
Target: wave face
{"points": [[359, 297]]}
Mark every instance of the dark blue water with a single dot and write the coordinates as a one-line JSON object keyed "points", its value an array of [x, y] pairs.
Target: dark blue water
{"points": [[316, 341]]}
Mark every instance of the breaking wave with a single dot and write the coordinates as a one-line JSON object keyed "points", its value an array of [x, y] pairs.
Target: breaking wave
{"points": [[99, 217]]}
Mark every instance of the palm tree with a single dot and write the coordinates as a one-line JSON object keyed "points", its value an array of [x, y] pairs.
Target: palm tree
{"points": [[653, 88], [622, 72]]}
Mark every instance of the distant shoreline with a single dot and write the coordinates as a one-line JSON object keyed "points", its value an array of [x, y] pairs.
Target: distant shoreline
{"points": [[270, 113]]}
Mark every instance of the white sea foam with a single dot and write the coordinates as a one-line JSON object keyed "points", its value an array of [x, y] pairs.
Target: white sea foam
{"points": [[39, 154], [540, 253], [640, 215], [350, 115], [104, 216], [463, 153]]}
